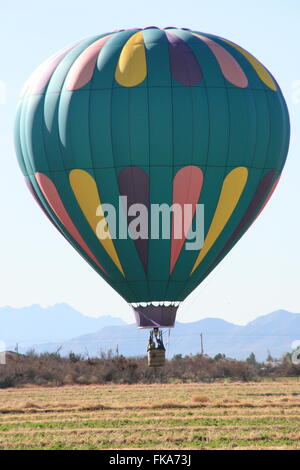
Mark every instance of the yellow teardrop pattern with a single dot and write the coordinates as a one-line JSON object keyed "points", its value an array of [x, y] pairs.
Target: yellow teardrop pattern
{"points": [[86, 192], [231, 192], [132, 67], [258, 67]]}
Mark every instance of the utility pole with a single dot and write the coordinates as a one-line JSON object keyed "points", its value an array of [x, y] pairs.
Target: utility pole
{"points": [[117, 350], [202, 350]]}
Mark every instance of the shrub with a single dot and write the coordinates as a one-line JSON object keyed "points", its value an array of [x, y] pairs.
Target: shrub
{"points": [[51, 368]]}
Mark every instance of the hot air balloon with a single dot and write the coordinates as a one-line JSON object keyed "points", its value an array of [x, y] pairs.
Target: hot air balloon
{"points": [[157, 116]]}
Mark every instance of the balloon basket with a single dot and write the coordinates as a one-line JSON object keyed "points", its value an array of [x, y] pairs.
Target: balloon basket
{"points": [[156, 357]]}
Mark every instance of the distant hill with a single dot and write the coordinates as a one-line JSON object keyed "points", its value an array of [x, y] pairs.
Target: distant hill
{"points": [[35, 324], [273, 332]]}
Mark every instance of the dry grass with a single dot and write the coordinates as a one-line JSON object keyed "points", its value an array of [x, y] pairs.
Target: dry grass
{"points": [[200, 399], [223, 415]]}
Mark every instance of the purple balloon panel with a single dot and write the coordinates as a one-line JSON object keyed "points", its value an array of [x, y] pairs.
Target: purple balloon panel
{"points": [[155, 317], [134, 184]]}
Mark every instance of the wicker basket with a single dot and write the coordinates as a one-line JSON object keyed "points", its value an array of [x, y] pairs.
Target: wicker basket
{"points": [[156, 357]]}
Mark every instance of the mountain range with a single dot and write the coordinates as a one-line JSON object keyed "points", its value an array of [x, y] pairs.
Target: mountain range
{"points": [[61, 327], [35, 324]]}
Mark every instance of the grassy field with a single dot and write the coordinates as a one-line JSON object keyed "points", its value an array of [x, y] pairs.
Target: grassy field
{"points": [[223, 415]]}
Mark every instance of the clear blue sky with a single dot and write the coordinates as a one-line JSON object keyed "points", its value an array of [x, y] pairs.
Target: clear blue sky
{"points": [[262, 273]]}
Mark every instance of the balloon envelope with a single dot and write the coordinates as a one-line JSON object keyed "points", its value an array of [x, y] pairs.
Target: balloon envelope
{"points": [[157, 116]]}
